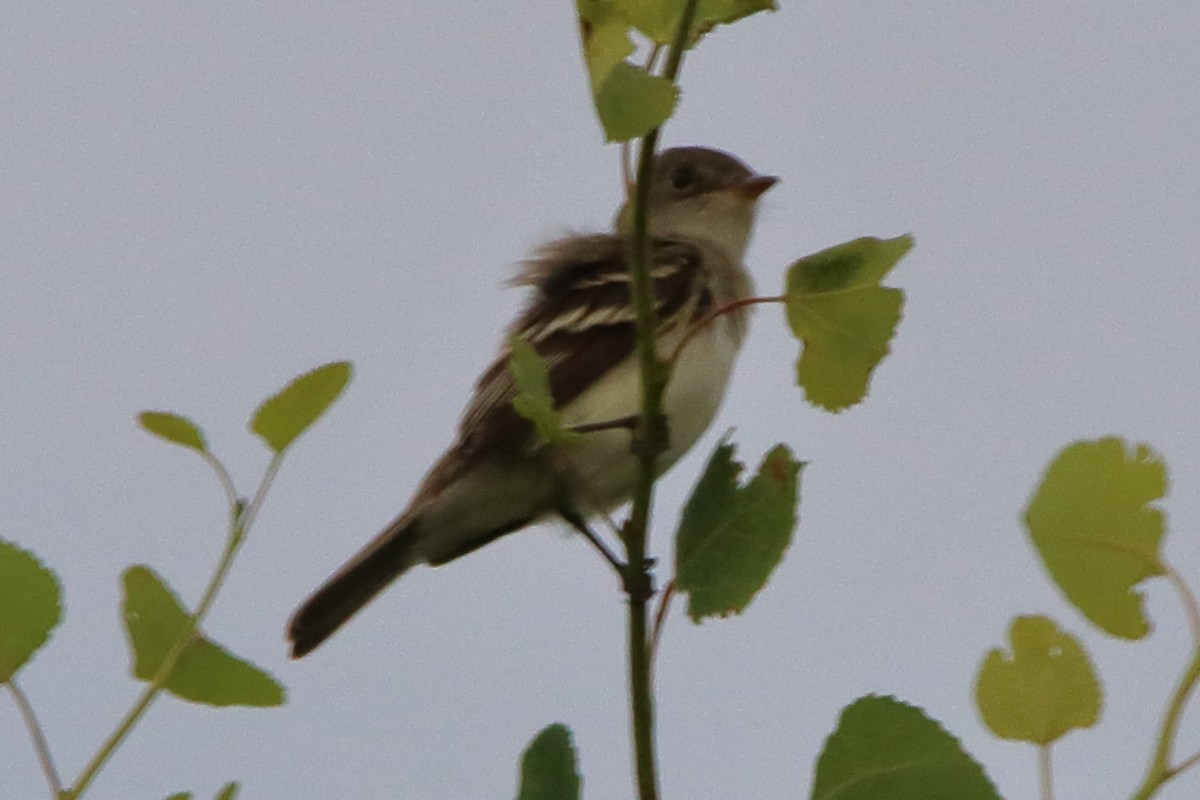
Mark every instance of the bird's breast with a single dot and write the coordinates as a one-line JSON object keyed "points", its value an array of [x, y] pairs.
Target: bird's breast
{"points": [[603, 465]]}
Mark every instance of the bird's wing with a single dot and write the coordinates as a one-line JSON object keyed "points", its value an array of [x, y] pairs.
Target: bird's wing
{"points": [[581, 322]]}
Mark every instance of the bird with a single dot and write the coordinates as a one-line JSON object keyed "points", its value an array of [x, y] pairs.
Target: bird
{"points": [[497, 477]]}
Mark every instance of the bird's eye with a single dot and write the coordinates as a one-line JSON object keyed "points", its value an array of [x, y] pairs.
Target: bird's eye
{"points": [[683, 178]]}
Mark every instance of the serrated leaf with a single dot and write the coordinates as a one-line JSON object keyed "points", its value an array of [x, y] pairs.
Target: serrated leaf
{"points": [[845, 319], [205, 672], [884, 748], [710, 13], [731, 537], [1093, 524], [629, 101], [724, 12], [30, 607], [287, 414], [229, 791], [548, 767], [604, 35], [659, 19], [534, 401], [632, 103], [174, 428], [1044, 689]]}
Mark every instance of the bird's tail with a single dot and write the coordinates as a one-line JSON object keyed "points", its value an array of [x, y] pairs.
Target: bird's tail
{"points": [[353, 586]]}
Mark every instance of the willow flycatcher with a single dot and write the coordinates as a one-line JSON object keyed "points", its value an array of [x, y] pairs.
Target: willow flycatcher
{"points": [[497, 477]]}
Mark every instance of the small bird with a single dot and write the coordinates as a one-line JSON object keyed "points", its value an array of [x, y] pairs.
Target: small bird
{"points": [[497, 477]]}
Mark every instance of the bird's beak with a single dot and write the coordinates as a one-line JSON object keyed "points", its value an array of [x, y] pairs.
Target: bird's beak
{"points": [[753, 187]]}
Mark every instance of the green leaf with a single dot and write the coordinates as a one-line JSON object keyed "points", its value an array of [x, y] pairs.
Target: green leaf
{"points": [[548, 767], [205, 672], [710, 13], [604, 35], [1092, 522], [181, 796], [659, 19], [846, 320], [229, 791], [632, 103], [629, 101], [534, 401], [30, 607], [1043, 690], [884, 748], [731, 537], [173, 428], [286, 415]]}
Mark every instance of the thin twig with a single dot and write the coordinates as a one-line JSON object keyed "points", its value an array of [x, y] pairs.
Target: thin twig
{"points": [[626, 169], [1186, 764], [1187, 597], [222, 476], [707, 319], [1045, 772], [660, 618], [240, 522], [40, 745], [1161, 770], [652, 57]]}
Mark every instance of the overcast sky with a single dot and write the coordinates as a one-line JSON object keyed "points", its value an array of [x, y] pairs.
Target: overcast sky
{"points": [[202, 200]]}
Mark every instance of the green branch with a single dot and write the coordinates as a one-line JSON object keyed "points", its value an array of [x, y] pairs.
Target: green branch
{"points": [[650, 440], [240, 520], [1161, 769], [40, 745]]}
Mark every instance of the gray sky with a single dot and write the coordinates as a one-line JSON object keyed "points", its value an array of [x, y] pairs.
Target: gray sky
{"points": [[202, 201]]}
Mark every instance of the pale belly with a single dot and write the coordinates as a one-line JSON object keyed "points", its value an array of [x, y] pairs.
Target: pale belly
{"points": [[604, 468]]}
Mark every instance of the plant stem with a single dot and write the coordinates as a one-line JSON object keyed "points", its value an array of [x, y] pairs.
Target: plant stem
{"points": [[239, 522], [641, 700], [1186, 596], [1160, 770], [40, 746], [1045, 772], [660, 619], [649, 441], [707, 319]]}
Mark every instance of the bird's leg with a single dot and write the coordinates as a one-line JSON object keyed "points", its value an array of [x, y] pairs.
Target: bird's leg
{"points": [[628, 423], [656, 438], [576, 521]]}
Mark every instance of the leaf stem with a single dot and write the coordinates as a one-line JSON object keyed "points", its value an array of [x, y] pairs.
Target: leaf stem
{"points": [[223, 477], [40, 746], [240, 520], [660, 619], [1187, 597], [649, 441], [1188, 763], [1160, 770], [1045, 772], [707, 319]]}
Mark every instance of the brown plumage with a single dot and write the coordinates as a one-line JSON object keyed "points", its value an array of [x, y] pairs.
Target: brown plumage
{"points": [[496, 478]]}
